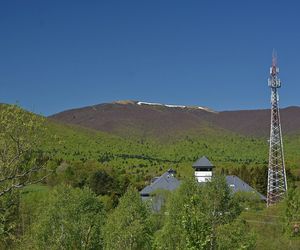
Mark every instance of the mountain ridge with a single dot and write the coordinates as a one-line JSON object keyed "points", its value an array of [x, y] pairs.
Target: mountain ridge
{"points": [[156, 119]]}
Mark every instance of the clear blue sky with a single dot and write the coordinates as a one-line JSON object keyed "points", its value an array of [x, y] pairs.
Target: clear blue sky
{"points": [[56, 55]]}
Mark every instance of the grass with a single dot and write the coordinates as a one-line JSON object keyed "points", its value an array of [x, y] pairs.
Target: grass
{"points": [[35, 188], [268, 227]]}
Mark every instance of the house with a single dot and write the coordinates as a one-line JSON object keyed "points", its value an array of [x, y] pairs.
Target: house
{"points": [[203, 173], [236, 184], [166, 182]]}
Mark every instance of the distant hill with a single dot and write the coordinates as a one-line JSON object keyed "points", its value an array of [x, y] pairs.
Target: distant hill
{"points": [[127, 118]]}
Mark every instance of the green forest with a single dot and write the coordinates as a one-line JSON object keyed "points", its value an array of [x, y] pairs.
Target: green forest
{"points": [[67, 187]]}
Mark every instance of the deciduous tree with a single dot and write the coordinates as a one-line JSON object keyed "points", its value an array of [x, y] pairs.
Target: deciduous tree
{"points": [[194, 214], [21, 158], [72, 218], [235, 235], [128, 226]]}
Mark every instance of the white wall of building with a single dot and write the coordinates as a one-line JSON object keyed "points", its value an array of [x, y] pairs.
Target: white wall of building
{"points": [[203, 176]]}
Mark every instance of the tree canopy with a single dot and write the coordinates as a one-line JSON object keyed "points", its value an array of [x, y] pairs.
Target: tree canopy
{"points": [[129, 225], [71, 218], [21, 137], [195, 213]]}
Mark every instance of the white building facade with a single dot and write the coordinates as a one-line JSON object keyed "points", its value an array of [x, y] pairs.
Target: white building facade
{"points": [[203, 169]]}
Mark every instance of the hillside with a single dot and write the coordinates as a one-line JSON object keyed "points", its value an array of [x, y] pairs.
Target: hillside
{"points": [[74, 147], [108, 163], [146, 139], [127, 118], [225, 148]]}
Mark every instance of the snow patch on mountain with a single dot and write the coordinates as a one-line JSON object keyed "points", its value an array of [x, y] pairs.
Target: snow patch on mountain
{"points": [[174, 106]]}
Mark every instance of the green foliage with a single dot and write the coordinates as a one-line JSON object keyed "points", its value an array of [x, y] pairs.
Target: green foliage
{"points": [[195, 217], [70, 219], [128, 226], [9, 219], [21, 137], [112, 185], [194, 214], [74, 173], [171, 236], [101, 182], [145, 157], [32, 199], [249, 200], [268, 225], [21, 163], [19, 128], [235, 235], [292, 213]]}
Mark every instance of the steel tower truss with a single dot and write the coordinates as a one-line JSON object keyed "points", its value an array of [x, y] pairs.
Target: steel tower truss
{"points": [[277, 185]]}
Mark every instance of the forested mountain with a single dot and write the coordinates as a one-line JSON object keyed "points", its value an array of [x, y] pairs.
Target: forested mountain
{"points": [[146, 139]]}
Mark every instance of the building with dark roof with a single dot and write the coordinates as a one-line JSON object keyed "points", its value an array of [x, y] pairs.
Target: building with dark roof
{"points": [[165, 182], [203, 169], [238, 185], [203, 173], [202, 163]]}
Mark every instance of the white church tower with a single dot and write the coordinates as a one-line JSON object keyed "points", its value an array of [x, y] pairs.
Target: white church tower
{"points": [[203, 169]]}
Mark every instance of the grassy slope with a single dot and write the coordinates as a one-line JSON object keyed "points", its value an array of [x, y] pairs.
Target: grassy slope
{"points": [[225, 149], [268, 227], [142, 159]]}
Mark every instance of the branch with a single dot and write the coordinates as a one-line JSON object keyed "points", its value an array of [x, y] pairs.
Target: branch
{"points": [[17, 176], [21, 185]]}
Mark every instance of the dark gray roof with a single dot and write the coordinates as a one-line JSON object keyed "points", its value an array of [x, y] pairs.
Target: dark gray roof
{"points": [[167, 181], [203, 162], [236, 184]]}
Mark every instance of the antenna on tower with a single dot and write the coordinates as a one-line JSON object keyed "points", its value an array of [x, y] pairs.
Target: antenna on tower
{"points": [[274, 58], [277, 184]]}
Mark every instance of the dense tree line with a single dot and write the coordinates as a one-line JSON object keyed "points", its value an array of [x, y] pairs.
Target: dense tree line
{"points": [[195, 217]]}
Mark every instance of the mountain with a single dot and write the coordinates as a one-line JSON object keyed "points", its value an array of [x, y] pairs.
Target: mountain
{"points": [[153, 119], [80, 148]]}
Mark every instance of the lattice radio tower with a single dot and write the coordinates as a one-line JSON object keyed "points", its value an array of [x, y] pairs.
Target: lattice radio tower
{"points": [[277, 185]]}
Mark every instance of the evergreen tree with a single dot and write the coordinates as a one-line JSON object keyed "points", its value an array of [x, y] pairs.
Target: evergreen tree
{"points": [[101, 183]]}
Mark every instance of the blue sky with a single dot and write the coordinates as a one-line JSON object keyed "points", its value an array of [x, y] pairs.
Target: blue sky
{"points": [[56, 55]]}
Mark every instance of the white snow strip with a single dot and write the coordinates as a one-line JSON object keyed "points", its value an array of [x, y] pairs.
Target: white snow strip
{"points": [[173, 106], [149, 103]]}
